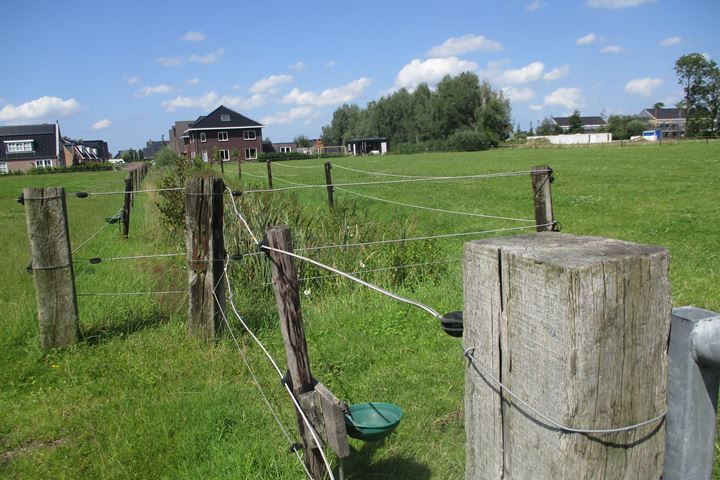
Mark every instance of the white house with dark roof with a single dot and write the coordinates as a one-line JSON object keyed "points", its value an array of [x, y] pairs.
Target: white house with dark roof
{"points": [[590, 124]]}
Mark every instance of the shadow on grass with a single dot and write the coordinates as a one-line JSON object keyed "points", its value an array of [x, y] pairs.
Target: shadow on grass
{"points": [[121, 323], [360, 464]]}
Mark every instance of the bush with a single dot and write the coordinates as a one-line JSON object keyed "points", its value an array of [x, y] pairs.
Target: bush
{"points": [[171, 203], [84, 167], [166, 157], [469, 140]]}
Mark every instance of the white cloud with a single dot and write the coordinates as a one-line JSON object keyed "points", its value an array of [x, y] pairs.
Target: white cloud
{"points": [[270, 83], [612, 49], [467, 43], [670, 41], [557, 73], [211, 57], [587, 39], [42, 107], [618, 3], [534, 5], [330, 96], [131, 80], [211, 100], [170, 61], [535, 108], [518, 94], [294, 114], [192, 81], [101, 124], [642, 86], [570, 98], [153, 90], [297, 66], [529, 73], [193, 36], [430, 71]]}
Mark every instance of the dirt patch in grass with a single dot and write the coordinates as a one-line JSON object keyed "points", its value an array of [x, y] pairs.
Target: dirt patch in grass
{"points": [[29, 447]]}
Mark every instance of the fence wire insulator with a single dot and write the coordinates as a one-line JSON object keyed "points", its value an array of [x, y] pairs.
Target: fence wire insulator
{"points": [[556, 226], [236, 256], [296, 447], [81, 194], [29, 268], [20, 199], [237, 193], [95, 260]]}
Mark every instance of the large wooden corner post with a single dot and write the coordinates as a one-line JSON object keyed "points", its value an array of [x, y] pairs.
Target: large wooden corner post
{"points": [[51, 264], [205, 255], [578, 328], [291, 325]]}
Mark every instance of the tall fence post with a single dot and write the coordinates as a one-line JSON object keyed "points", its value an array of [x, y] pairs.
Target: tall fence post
{"points": [[576, 327], [328, 182], [239, 162], [542, 195], [291, 325], [269, 173], [52, 268], [126, 208], [205, 255]]}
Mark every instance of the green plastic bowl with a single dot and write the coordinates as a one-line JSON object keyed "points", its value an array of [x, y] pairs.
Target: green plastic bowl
{"points": [[372, 421]]}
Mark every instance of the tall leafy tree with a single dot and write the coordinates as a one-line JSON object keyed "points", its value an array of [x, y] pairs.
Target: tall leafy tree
{"points": [[698, 75], [575, 123]]}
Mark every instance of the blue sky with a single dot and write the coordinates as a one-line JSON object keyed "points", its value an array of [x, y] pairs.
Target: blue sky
{"points": [[125, 71]]}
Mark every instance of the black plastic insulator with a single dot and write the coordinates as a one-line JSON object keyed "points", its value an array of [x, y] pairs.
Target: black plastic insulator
{"points": [[29, 268], [95, 260], [20, 199], [296, 447], [81, 194], [452, 324], [556, 226], [237, 193], [236, 256]]}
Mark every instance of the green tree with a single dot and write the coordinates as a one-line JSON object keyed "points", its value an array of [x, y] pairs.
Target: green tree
{"points": [[548, 127], [301, 141], [623, 127], [698, 75], [166, 157], [575, 122]]}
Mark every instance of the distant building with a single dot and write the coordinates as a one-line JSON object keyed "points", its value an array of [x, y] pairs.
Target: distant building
{"points": [[574, 138], [223, 130], [101, 147], [153, 147], [670, 121], [78, 152], [590, 124], [282, 147], [367, 146], [23, 147], [176, 138]]}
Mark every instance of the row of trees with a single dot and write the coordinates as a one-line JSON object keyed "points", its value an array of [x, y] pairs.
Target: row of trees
{"points": [[461, 112], [700, 78]]}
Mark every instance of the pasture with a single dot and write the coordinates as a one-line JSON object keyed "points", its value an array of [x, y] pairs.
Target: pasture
{"points": [[138, 398]]}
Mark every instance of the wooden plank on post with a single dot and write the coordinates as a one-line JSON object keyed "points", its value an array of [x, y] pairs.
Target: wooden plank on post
{"points": [[291, 325], [205, 255], [269, 173], [328, 182], [126, 208], [542, 196], [52, 268], [578, 328], [334, 421]]}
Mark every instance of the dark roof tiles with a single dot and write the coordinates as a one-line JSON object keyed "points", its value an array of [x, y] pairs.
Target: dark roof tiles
{"points": [[214, 120]]}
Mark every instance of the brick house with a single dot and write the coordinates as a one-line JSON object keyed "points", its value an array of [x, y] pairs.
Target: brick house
{"points": [[670, 121], [23, 147], [225, 131]]}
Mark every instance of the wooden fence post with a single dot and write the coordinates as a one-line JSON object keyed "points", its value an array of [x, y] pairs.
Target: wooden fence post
{"points": [[542, 195], [52, 268], [269, 173], [205, 255], [239, 162], [328, 182], [291, 325], [578, 328], [126, 208]]}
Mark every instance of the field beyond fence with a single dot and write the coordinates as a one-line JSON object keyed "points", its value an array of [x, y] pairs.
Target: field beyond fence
{"points": [[138, 397]]}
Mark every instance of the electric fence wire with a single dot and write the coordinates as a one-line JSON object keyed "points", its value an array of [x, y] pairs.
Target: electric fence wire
{"points": [[90, 237], [299, 409], [260, 389], [468, 353], [117, 294], [380, 174], [283, 164]]}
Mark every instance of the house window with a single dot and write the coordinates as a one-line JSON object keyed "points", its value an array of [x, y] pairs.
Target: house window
{"points": [[224, 117], [192, 138], [43, 163], [203, 138], [250, 153], [285, 150], [19, 146], [224, 155], [3, 167], [249, 135], [222, 137]]}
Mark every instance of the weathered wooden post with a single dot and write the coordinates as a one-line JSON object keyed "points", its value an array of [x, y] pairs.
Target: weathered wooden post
{"points": [[205, 255], [542, 195], [52, 268], [126, 208], [578, 328], [291, 325], [328, 182], [269, 173]]}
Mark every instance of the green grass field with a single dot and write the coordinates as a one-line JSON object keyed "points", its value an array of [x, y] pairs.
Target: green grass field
{"points": [[138, 398]]}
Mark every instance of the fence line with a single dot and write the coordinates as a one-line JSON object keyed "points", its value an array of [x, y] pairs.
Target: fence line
{"points": [[367, 172], [282, 164], [91, 237], [116, 294]]}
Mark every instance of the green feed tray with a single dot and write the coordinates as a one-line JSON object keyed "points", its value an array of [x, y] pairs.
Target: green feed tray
{"points": [[372, 421]]}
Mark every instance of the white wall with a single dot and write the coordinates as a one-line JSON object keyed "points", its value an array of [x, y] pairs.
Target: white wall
{"points": [[576, 138]]}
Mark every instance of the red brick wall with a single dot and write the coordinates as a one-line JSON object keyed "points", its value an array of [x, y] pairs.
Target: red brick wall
{"points": [[235, 141]]}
